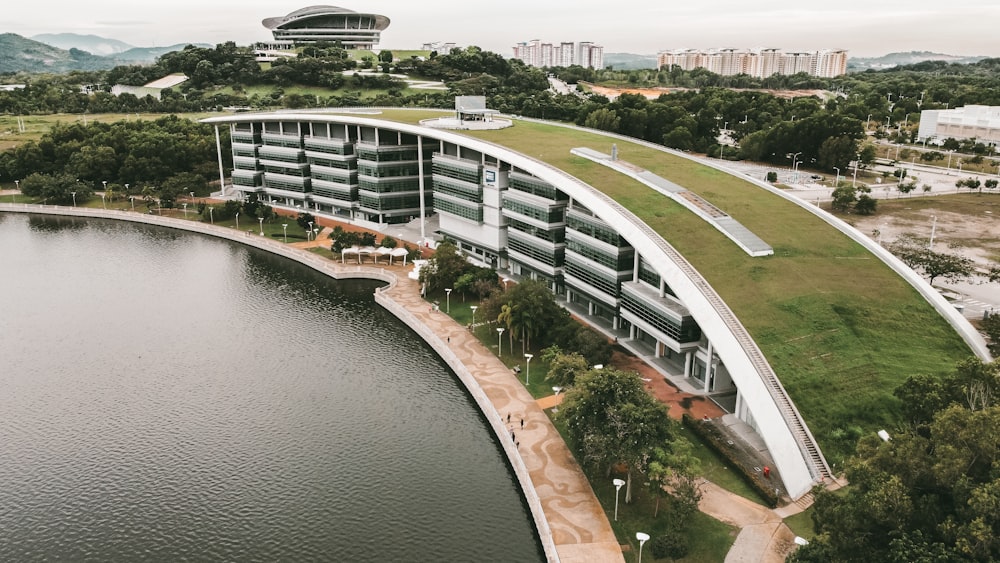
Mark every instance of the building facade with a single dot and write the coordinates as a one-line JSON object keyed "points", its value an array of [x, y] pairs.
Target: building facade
{"points": [[529, 221], [981, 123], [759, 63], [329, 24], [536, 53]]}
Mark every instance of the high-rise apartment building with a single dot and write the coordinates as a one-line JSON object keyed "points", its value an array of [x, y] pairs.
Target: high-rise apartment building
{"points": [[759, 63], [567, 53]]}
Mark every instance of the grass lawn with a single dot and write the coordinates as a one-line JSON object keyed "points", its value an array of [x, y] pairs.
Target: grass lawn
{"points": [[801, 524], [838, 326]]}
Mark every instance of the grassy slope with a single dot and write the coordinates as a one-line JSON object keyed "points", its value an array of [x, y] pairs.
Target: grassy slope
{"points": [[838, 326]]}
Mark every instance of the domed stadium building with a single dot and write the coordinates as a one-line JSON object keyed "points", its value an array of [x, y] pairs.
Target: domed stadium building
{"points": [[330, 24]]}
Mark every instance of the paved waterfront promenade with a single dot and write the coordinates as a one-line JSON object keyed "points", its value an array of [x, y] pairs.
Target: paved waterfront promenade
{"points": [[571, 523]]}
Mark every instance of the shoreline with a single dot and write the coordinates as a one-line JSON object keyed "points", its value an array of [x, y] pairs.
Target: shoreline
{"points": [[570, 522]]}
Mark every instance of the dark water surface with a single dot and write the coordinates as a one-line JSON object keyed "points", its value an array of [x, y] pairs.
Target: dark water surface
{"points": [[166, 396]]}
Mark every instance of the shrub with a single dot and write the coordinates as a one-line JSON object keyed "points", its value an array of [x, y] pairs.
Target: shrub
{"points": [[671, 545], [721, 444]]}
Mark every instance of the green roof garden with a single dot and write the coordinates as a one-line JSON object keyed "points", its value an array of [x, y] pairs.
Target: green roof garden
{"points": [[839, 327]]}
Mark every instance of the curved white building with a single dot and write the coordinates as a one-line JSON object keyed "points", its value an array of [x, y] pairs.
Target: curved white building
{"points": [[328, 24], [530, 220]]}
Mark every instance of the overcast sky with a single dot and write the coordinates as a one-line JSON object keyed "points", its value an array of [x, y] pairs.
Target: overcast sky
{"points": [[864, 27]]}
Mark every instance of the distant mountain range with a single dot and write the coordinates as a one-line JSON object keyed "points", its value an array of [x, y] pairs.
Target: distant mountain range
{"points": [[65, 52], [899, 59], [630, 61]]}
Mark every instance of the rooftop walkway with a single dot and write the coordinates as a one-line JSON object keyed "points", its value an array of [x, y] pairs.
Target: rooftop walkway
{"points": [[733, 229]]}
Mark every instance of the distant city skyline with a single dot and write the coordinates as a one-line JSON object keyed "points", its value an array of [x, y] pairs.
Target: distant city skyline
{"points": [[865, 29]]}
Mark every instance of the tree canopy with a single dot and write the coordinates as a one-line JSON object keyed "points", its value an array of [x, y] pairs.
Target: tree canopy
{"points": [[929, 493]]}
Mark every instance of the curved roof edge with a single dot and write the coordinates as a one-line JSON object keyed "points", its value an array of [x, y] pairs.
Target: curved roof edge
{"points": [[780, 425], [272, 23]]}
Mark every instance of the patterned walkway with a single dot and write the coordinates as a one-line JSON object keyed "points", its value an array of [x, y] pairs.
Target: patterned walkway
{"points": [[571, 522], [580, 528]]}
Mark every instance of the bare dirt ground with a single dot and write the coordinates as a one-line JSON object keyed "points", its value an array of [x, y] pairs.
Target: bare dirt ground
{"points": [[967, 224]]}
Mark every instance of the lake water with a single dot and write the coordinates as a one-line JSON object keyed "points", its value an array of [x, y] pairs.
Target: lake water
{"points": [[166, 396]]}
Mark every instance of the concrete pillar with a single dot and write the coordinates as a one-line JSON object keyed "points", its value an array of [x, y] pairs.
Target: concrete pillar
{"points": [[222, 173], [420, 171], [687, 363], [631, 332]]}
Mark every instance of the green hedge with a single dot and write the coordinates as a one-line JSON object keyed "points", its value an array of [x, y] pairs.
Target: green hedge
{"points": [[720, 443]]}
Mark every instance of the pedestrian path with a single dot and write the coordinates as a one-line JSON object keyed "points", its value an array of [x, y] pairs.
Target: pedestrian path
{"points": [[579, 526], [571, 521]]}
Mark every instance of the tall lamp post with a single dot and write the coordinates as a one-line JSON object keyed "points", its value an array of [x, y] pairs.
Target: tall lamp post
{"points": [[618, 487], [473, 308], [933, 227], [310, 228], [185, 206], [284, 227], [447, 293], [211, 216], [74, 198], [261, 221], [17, 187], [104, 201], [527, 371], [237, 221], [643, 538], [857, 162], [499, 342]]}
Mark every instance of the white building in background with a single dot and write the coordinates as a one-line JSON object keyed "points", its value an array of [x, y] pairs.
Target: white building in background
{"points": [[981, 123], [567, 53], [759, 63]]}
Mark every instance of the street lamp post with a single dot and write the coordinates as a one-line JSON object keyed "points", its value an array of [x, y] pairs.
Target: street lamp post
{"points": [[261, 220], [132, 199], [527, 370], [447, 293], [211, 216], [930, 244], [284, 227], [17, 187], [857, 161], [836, 181], [310, 228], [950, 151], [618, 487], [74, 198], [105, 183], [185, 206], [473, 308], [499, 342], [643, 538], [104, 201], [237, 221]]}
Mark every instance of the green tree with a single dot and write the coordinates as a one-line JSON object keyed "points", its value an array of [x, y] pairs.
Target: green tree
{"points": [[446, 266], [611, 419], [931, 492], [604, 119], [837, 152], [564, 368], [991, 326], [866, 205], [60, 189], [844, 197]]}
